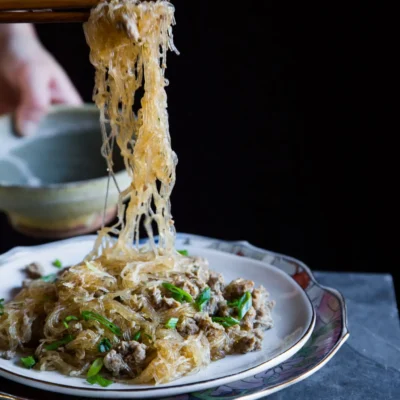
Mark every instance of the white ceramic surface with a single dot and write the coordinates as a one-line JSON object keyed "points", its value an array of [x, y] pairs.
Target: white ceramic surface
{"points": [[293, 315]]}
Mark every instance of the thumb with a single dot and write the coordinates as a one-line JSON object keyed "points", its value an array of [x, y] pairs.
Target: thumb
{"points": [[34, 98]]}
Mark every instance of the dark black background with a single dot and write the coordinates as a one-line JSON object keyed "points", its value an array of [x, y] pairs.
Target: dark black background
{"points": [[275, 114]]}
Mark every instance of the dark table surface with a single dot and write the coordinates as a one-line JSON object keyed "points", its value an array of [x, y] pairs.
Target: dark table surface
{"points": [[366, 367]]}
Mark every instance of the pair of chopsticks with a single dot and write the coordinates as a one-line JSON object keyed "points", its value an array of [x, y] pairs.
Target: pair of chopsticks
{"points": [[42, 11]]}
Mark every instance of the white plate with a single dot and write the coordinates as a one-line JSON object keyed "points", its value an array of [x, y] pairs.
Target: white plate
{"points": [[293, 316]]}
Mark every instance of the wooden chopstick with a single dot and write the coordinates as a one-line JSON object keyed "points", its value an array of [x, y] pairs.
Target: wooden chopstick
{"points": [[44, 16], [40, 11], [46, 4], [23, 10]]}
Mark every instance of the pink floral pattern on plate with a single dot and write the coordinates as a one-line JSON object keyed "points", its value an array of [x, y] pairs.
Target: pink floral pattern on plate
{"points": [[329, 334]]}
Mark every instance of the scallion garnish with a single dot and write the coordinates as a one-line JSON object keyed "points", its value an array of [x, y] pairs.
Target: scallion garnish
{"points": [[136, 336], [105, 345], [55, 345], [57, 263], [95, 368], [49, 278], [203, 298], [183, 252], [1, 307], [244, 305], [177, 293], [89, 315], [103, 382], [93, 374], [28, 362], [68, 319], [172, 322], [226, 321], [233, 303]]}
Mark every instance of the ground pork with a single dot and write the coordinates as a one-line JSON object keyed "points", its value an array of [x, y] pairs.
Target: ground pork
{"points": [[34, 270]]}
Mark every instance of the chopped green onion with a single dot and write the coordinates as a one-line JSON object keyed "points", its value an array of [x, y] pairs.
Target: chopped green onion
{"points": [[1, 307], [49, 278], [57, 263], [178, 293], [103, 382], [148, 336], [226, 321], [203, 298], [68, 319], [183, 252], [137, 336], [55, 345], [28, 362], [95, 368], [244, 305], [105, 345], [88, 315], [172, 322], [233, 303]]}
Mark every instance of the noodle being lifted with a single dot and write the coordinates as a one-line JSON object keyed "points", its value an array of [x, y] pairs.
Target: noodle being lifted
{"points": [[135, 314], [125, 38]]}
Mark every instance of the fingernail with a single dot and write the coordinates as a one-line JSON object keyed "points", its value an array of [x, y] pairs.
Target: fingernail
{"points": [[28, 128]]}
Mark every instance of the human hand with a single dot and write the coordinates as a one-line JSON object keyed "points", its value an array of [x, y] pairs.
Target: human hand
{"points": [[30, 78]]}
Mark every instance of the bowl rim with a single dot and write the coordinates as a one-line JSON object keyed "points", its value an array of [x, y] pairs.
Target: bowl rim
{"points": [[59, 108]]}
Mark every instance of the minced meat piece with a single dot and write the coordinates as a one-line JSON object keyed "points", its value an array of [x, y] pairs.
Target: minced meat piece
{"points": [[170, 302], [259, 296], [223, 309], [156, 296], [187, 326], [263, 317], [247, 344], [215, 304], [201, 271], [114, 362], [211, 306], [259, 333], [34, 270], [205, 322], [185, 284], [263, 308], [216, 282], [128, 357], [216, 335], [238, 288], [75, 328], [248, 320], [134, 350]]}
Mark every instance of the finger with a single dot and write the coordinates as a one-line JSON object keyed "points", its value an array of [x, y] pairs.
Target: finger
{"points": [[33, 82], [63, 91]]}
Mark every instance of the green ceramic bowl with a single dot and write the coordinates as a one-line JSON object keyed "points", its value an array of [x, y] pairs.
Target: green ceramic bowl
{"points": [[53, 184]]}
